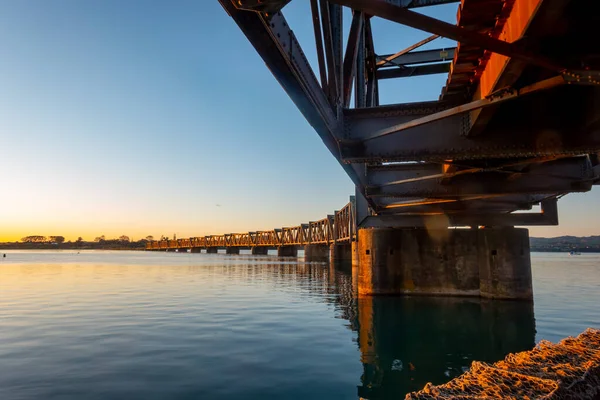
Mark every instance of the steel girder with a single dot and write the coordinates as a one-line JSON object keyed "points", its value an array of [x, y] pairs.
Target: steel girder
{"points": [[403, 66], [548, 216], [473, 205], [541, 125], [418, 57], [562, 175], [410, 71]]}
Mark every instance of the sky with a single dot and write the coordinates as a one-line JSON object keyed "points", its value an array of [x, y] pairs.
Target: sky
{"points": [[157, 118]]}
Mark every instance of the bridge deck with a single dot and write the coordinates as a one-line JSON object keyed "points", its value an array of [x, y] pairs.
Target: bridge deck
{"points": [[486, 17]]}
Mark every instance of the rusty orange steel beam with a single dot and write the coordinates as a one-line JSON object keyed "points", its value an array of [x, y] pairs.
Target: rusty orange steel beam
{"points": [[514, 28]]}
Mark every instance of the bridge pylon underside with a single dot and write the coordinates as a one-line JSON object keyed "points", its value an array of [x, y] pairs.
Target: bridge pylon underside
{"points": [[517, 123]]}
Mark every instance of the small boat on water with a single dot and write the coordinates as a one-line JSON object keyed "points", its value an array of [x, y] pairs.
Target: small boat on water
{"points": [[574, 253]]}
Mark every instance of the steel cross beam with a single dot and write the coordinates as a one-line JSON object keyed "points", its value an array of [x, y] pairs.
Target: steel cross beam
{"points": [[416, 57], [548, 216], [423, 187], [350, 58], [410, 71], [392, 57]]}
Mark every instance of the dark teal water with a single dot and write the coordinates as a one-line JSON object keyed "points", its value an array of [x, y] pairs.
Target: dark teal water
{"points": [[135, 325]]}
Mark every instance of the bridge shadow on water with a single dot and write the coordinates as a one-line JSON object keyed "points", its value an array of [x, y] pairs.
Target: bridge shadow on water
{"points": [[406, 342]]}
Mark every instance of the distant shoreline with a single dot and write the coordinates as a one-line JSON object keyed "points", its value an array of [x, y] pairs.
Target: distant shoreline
{"points": [[68, 246]]}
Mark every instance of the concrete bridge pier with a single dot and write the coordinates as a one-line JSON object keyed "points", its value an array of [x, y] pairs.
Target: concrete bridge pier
{"points": [[340, 253], [316, 252], [212, 250], [195, 250], [260, 251], [232, 250], [287, 251], [493, 262]]}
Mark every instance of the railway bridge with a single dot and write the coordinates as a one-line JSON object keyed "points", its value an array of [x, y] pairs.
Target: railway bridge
{"points": [[328, 238], [516, 125]]}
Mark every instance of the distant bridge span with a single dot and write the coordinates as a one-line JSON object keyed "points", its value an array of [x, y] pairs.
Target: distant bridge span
{"points": [[338, 228]]}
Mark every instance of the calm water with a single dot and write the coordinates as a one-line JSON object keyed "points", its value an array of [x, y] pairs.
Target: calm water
{"points": [[135, 325]]}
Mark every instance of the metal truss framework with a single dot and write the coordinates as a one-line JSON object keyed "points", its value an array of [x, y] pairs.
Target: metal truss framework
{"points": [[337, 228], [517, 123]]}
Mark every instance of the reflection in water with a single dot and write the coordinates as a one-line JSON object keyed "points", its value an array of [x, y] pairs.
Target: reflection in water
{"points": [[406, 342]]}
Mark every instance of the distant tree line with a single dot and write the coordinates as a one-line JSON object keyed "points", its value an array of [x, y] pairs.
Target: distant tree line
{"points": [[588, 244], [123, 242]]}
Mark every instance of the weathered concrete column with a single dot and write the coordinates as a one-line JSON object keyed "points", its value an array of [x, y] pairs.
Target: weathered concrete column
{"points": [[316, 252], [417, 261], [287, 251], [232, 250], [493, 262], [212, 250], [195, 249], [339, 253], [262, 251], [505, 263]]}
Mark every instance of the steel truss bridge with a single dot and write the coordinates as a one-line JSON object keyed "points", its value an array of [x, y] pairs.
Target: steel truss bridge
{"points": [[517, 123], [339, 228]]}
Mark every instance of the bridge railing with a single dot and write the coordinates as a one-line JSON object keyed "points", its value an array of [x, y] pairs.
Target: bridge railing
{"points": [[339, 227]]}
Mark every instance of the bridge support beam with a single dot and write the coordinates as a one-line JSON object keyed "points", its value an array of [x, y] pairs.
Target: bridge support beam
{"points": [[340, 253], [260, 251], [287, 251], [212, 250], [316, 252], [232, 250], [195, 250], [492, 262]]}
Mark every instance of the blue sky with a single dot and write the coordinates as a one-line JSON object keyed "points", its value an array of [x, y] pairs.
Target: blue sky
{"points": [[155, 117]]}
